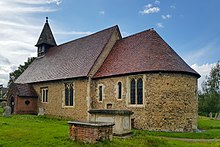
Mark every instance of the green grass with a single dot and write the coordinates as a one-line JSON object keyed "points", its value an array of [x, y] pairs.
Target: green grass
{"points": [[211, 130], [31, 130]]}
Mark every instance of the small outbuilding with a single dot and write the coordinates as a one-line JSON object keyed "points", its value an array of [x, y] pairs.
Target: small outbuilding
{"points": [[22, 99]]}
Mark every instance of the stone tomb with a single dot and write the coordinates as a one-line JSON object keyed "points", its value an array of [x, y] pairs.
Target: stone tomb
{"points": [[90, 132], [121, 119]]}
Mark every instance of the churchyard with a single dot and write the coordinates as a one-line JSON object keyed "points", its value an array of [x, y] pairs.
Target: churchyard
{"points": [[32, 130]]}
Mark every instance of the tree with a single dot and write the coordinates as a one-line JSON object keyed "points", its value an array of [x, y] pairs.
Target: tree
{"points": [[209, 100], [212, 82], [21, 68]]}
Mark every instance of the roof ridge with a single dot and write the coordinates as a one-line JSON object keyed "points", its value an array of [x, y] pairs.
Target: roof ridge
{"points": [[115, 26], [116, 29], [151, 29]]}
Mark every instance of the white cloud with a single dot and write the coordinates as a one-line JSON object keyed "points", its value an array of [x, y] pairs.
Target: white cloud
{"points": [[19, 31], [148, 9], [20, 28], [9, 8], [102, 12], [168, 16], [203, 70], [157, 2], [58, 2], [207, 52], [160, 25], [73, 33], [38, 2]]}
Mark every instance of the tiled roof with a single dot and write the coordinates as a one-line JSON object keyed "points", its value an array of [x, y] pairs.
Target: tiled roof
{"points": [[69, 60], [143, 52], [46, 36], [25, 90]]}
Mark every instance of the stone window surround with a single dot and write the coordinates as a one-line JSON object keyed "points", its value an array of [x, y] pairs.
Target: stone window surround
{"points": [[103, 92], [63, 95], [117, 92], [135, 77], [44, 98]]}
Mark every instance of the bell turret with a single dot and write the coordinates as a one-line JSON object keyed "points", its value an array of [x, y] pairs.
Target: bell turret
{"points": [[46, 40]]}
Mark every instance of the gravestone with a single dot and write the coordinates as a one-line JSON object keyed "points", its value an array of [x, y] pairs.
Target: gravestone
{"points": [[40, 111], [218, 117], [3, 104], [210, 115], [7, 111]]}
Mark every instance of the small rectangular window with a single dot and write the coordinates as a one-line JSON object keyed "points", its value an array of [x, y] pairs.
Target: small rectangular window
{"points": [[44, 94]]}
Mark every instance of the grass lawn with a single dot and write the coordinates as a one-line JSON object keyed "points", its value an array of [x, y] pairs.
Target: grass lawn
{"points": [[31, 130], [211, 130]]}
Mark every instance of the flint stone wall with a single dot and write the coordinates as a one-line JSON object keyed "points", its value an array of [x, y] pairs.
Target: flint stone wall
{"points": [[56, 99], [170, 100]]}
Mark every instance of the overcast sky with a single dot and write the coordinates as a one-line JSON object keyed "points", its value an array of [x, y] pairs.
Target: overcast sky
{"points": [[191, 28]]}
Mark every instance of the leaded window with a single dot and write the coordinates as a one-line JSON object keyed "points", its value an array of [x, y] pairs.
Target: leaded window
{"points": [[133, 95], [69, 92], [136, 91], [139, 91]]}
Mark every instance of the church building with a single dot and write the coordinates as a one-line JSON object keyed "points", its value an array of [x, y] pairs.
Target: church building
{"points": [[140, 72]]}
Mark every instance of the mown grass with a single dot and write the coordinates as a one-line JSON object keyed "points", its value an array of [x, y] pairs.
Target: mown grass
{"points": [[210, 130], [31, 130]]}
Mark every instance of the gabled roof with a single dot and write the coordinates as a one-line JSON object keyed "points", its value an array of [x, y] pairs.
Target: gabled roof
{"points": [[46, 36], [143, 52], [69, 60], [24, 90]]}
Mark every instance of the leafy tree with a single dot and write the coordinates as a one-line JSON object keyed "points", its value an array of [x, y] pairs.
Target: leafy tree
{"points": [[209, 100], [21, 68], [212, 82]]}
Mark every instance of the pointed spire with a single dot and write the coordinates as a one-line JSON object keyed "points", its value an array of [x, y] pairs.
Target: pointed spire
{"points": [[46, 36]]}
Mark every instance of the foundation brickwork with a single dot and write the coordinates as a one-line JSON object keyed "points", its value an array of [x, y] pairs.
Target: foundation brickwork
{"points": [[25, 105], [56, 98], [170, 100]]}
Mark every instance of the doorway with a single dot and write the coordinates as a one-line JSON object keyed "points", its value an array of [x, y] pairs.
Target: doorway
{"points": [[12, 104]]}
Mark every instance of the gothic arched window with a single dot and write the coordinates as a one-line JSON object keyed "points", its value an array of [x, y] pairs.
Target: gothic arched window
{"points": [[139, 91], [136, 91], [132, 92], [69, 94]]}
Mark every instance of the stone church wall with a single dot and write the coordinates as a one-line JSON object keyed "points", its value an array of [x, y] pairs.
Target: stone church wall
{"points": [[169, 104], [56, 99]]}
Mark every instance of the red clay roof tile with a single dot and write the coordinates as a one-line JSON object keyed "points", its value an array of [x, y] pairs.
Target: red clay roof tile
{"points": [[142, 52]]}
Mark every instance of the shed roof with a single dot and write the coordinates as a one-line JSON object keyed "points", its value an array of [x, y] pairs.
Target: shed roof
{"points": [[25, 90]]}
